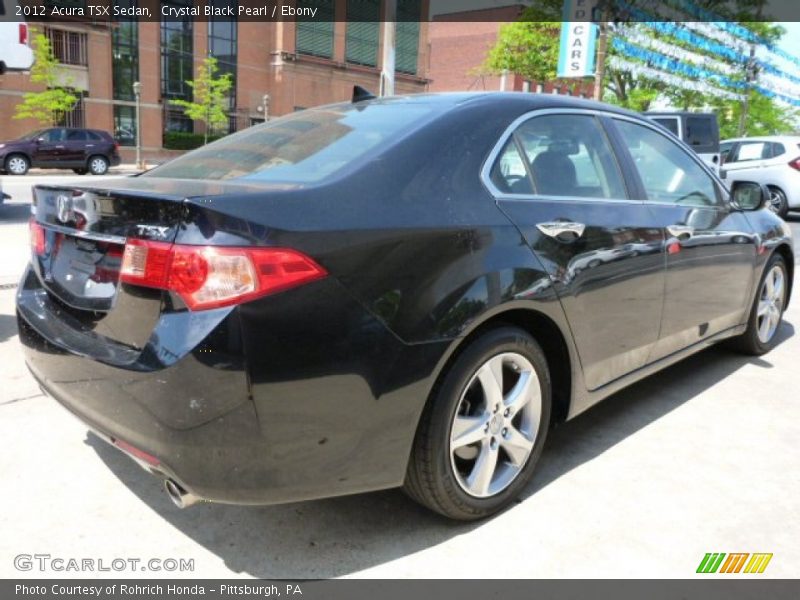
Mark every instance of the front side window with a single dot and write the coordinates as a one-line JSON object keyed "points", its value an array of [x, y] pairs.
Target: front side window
{"points": [[752, 151], [669, 174], [566, 155], [55, 135]]}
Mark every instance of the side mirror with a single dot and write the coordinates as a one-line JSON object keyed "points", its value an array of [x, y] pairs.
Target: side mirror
{"points": [[749, 195], [39, 140]]}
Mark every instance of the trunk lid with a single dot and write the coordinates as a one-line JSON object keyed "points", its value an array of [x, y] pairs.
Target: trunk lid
{"points": [[85, 229]]}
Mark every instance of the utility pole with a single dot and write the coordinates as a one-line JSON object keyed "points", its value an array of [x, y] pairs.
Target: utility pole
{"points": [[750, 76], [137, 92], [600, 61], [387, 66]]}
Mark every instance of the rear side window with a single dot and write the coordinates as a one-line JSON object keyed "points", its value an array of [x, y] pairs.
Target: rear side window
{"points": [[76, 135], [302, 147], [776, 150], [509, 173], [565, 155], [95, 137], [669, 174]]}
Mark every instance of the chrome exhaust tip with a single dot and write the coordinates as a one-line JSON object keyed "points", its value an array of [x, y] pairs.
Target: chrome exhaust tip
{"points": [[179, 496]]}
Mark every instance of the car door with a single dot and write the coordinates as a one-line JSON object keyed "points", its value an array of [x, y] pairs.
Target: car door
{"points": [[48, 148], [711, 248], [556, 177], [74, 153], [746, 162]]}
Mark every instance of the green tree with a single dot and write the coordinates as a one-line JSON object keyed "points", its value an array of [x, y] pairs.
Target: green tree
{"points": [[765, 116], [49, 105], [526, 48], [210, 96]]}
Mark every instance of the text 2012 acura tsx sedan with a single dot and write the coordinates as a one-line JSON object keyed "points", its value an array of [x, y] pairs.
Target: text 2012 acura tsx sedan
{"points": [[390, 292]]}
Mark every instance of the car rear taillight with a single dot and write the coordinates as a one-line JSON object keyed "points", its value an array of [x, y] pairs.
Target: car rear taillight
{"points": [[37, 237], [795, 164], [212, 276], [23, 33]]}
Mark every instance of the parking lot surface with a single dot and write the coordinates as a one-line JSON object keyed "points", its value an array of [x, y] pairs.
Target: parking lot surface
{"points": [[700, 458]]}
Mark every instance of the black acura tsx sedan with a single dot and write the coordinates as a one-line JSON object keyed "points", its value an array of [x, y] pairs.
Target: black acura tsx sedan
{"points": [[408, 291]]}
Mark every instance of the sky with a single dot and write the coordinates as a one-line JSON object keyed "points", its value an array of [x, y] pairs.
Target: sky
{"points": [[791, 41]]}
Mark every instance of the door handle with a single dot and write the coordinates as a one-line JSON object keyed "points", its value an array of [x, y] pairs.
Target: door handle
{"points": [[59, 147], [555, 229], [681, 232]]}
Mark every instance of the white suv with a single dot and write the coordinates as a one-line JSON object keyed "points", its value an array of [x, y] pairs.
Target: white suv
{"points": [[15, 50], [771, 160]]}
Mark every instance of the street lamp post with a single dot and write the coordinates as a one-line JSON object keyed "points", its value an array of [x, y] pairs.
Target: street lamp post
{"points": [[137, 91]]}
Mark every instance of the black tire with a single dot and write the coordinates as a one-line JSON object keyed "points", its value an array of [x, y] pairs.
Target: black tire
{"points": [[98, 165], [80, 171], [778, 201], [17, 164], [430, 479], [750, 342]]}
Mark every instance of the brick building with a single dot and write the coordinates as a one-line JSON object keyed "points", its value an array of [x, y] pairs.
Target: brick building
{"points": [[296, 64], [459, 43]]}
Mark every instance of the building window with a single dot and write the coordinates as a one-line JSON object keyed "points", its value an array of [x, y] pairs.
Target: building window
{"points": [[407, 36], [124, 53], [76, 116], [361, 42], [176, 120], [125, 125], [177, 53], [222, 45], [69, 47], [315, 36]]}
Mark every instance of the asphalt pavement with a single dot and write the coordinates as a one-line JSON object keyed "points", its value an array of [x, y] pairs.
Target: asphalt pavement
{"points": [[700, 458]]}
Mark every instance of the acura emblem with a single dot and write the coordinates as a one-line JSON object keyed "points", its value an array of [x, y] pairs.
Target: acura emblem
{"points": [[64, 208]]}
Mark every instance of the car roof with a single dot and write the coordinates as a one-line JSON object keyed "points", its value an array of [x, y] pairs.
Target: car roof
{"points": [[513, 100], [678, 113], [764, 138]]}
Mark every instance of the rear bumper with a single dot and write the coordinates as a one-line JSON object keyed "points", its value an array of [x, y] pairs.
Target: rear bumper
{"points": [[116, 160], [304, 418]]}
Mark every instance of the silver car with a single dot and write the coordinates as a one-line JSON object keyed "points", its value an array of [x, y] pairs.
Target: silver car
{"points": [[771, 160]]}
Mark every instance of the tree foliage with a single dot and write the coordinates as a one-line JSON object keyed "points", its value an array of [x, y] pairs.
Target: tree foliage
{"points": [[210, 96], [529, 47], [49, 105]]}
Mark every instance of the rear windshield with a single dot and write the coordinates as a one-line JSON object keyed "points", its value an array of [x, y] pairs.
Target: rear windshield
{"points": [[303, 147]]}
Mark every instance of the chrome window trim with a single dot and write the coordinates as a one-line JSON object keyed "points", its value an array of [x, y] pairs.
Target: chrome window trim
{"points": [[498, 147], [503, 139]]}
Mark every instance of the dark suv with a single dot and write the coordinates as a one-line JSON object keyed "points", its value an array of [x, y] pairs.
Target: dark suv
{"points": [[82, 150]]}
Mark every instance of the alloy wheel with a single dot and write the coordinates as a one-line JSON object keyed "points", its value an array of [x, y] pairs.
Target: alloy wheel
{"points": [[770, 304], [776, 200], [98, 166], [495, 425], [17, 165]]}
